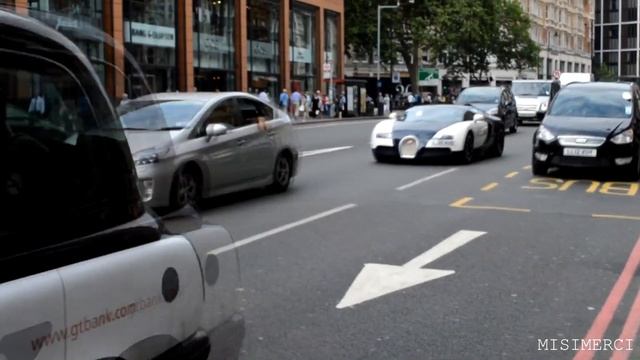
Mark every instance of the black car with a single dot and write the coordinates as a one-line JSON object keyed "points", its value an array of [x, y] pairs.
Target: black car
{"points": [[497, 101], [590, 125]]}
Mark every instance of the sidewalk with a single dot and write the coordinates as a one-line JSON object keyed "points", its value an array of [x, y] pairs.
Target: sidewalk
{"points": [[334, 119]]}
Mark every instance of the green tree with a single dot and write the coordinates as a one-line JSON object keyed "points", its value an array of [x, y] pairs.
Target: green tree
{"points": [[466, 34], [603, 72], [473, 33], [405, 31]]}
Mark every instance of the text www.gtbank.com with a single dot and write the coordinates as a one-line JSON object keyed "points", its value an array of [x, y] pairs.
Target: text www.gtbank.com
{"points": [[90, 323], [585, 344]]}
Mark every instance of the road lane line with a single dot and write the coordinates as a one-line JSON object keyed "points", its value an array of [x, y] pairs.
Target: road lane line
{"points": [[617, 217], [425, 179], [324, 151], [629, 330], [604, 317], [490, 186], [463, 203], [302, 126], [280, 229], [511, 175]]}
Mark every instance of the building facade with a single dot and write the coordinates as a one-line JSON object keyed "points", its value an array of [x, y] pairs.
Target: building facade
{"points": [[561, 28], [205, 45], [563, 31], [616, 41]]}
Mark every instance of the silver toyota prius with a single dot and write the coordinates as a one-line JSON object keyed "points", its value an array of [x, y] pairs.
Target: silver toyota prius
{"points": [[189, 146]]}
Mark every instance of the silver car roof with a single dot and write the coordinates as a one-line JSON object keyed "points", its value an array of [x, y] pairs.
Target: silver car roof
{"points": [[198, 96]]}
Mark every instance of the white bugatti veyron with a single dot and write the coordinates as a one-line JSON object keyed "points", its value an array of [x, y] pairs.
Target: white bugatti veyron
{"points": [[438, 130]]}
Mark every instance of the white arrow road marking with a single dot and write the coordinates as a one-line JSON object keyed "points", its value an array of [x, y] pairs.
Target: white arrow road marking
{"points": [[375, 280], [324, 151]]}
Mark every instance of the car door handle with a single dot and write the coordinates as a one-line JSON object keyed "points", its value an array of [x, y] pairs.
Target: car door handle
{"points": [[241, 142]]}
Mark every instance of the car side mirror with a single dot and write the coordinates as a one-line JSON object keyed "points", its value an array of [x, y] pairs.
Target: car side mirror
{"points": [[478, 117], [214, 130]]}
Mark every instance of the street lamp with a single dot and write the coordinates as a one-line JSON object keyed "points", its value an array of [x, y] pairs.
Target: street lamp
{"points": [[555, 35], [380, 8]]}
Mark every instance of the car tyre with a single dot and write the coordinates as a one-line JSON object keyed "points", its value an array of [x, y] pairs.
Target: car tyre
{"points": [[381, 158], [282, 171], [467, 155], [539, 168], [514, 127], [632, 170], [186, 188], [498, 147]]}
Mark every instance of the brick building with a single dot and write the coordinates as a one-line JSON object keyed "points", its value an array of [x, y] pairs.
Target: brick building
{"points": [[205, 45]]}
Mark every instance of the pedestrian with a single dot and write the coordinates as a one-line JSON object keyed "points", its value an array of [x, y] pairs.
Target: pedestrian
{"points": [[410, 100], [307, 105], [315, 104], [342, 104], [380, 104], [263, 95], [326, 106], [296, 101], [387, 104], [284, 101]]}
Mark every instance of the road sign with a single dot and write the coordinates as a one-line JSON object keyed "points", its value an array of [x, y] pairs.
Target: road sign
{"points": [[327, 71], [426, 74], [395, 77], [556, 74], [375, 280]]}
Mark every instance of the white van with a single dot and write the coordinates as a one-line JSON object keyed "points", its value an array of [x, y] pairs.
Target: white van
{"points": [[532, 98], [568, 78]]}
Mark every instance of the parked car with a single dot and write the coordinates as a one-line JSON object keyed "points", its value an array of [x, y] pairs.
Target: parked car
{"points": [[532, 98], [438, 130], [591, 125], [497, 101], [86, 271], [207, 144]]}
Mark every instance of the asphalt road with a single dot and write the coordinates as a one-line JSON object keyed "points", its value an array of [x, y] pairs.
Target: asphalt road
{"points": [[557, 260]]}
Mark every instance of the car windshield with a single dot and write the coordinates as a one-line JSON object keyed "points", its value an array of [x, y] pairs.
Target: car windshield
{"points": [[531, 88], [144, 115], [484, 95], [591, 103], [434, 114]]}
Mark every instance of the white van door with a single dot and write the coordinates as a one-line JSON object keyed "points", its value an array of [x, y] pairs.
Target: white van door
{"points": [[32, 324], [141, 301]]}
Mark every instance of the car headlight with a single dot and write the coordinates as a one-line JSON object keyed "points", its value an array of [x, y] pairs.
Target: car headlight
{"points": [[443, 137], [545, 135], [383, 135], [149, 156], [625, 137], [543, 106]]}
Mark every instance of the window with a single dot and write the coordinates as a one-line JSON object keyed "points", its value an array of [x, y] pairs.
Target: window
{"points": [[629, 36], [629, 10], [590, 103], [223, 113], [610, 37], [63, 154], [628, 65], [251, 110], [611, 11]]}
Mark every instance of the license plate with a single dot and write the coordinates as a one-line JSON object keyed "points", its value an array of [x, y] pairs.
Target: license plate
{"points": [[580, 152]]}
